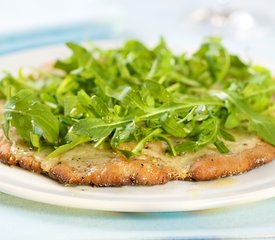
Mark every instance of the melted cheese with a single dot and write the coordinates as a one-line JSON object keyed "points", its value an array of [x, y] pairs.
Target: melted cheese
{"points": [[86, 159], [82, 158], [181, 164]]}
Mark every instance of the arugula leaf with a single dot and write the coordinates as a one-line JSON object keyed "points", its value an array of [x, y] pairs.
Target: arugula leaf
{"points": [[208, 131], [157, 90], [81, 55], [217, 58], [122, 135], [101, 108], [138, 148], [72, 108], [227, 136], [75, 141], [221, 146], [138, 94], [171, 126], [131, 98], [263, 125], [31, 117], [186, 146], [96, 128]]}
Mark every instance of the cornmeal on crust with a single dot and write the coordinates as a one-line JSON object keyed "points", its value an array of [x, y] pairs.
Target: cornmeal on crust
{"points": [[86, 165]]}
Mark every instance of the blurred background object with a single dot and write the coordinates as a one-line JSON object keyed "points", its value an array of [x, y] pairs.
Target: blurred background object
{"points": [[246, 24]]}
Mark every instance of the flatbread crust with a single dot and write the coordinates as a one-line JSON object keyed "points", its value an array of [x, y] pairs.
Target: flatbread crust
{"points": [[86, 165]]}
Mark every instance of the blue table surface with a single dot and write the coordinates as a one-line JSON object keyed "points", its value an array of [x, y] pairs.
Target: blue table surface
{"points": [[29, 220]]}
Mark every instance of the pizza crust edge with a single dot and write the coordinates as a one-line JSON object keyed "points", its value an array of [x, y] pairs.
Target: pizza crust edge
{"points": [[120, 171]]}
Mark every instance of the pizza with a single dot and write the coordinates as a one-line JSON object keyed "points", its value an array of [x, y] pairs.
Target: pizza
{"points": [[135, 115]]}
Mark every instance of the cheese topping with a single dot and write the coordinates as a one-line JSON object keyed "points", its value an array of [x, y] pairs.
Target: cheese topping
{"points": [[86, 159]]}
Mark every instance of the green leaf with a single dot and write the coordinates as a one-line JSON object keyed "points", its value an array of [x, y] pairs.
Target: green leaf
{"points": [[131, 98], [67, 65], [77, 140], [69, 84], [227, 136], [140, 145], [122, 135], [157, 90], [169, 143], [171, 126], [35, 140], [208, 131], [96, 128], [216, 56], [93, 127], [221, 147], [101, 108], [187, 146], [263, 125], [232, 120], [81, 55], [31, 117], [139, 94], [72, 108]]}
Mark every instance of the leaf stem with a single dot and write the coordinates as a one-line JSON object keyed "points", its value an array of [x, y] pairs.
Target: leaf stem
{"points": [[176, 107], [141, 143]]}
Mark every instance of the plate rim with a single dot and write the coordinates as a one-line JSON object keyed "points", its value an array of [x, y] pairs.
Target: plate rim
{"points": [[125, 206], [122, 206]]}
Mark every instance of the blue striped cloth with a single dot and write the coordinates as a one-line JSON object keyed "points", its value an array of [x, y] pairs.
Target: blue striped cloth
{"points": [[57, 35]]}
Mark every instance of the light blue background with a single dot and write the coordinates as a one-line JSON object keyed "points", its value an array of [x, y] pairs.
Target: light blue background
{"points": [[28, 219]]}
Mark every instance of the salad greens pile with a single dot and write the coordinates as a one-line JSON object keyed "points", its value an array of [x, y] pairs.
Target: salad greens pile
{"points": [[136, 94]]}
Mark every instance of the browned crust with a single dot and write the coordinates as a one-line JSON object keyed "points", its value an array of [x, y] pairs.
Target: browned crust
{"points": [[115, 173], [120, 171], [217, 166], [26, 162]]}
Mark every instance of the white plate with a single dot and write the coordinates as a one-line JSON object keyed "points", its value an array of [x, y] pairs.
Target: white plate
{"points": [[175, 196]]}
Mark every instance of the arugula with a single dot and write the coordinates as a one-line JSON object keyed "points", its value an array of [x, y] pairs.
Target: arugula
{"points": [[136, 94], [31, 118], [263, 125]]}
